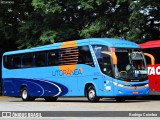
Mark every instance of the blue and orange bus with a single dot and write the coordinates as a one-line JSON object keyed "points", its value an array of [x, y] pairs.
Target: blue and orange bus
{"points": [[95, 67]]}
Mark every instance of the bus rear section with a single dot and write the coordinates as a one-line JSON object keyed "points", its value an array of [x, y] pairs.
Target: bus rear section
{"points": [[95, 68], [151, 50]]}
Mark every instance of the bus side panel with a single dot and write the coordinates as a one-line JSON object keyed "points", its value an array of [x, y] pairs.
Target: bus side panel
{"points": [[9, 88], [39, 82], [37, 88], [106, 88], [154, 77], [48, 81]]}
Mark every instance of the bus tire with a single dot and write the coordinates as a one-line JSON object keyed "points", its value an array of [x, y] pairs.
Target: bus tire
{"points": [[25, 96], [51, 99], [120, 99], [91, 94]]}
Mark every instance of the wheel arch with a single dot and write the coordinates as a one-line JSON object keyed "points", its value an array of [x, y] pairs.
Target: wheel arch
{"points": [[22, 86], [87, 85]]}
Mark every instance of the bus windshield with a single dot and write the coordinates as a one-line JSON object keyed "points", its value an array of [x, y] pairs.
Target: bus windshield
{"points": [[131, 64]]}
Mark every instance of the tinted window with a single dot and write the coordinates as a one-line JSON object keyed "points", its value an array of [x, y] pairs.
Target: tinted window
{"points": [[39, 59], [53, 58], [7, 62], [68, 56], [27, 60], [85, 56], [104, 59], [105, 64], [16, 62]]}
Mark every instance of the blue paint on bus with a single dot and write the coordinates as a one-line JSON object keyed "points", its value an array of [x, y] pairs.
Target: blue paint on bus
{"points": [[67, 79]]}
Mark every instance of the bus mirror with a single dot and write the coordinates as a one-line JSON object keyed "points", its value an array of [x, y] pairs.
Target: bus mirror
{"points": [[113, 55], [151, 57], [114, 58]]}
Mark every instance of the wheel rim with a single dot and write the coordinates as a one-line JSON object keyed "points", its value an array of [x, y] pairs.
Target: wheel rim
{"points": [[91, 94], [24, 94]]}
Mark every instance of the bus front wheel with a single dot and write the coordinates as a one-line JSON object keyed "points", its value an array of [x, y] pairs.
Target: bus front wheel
{"points": [[25, 96], [91, 94]]}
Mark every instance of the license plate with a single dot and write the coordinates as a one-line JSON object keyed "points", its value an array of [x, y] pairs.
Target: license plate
{"points": [[135, 92]]}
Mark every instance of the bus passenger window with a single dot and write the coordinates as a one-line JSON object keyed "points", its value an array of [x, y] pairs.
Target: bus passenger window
{"points": [[16, 62], [53, 58], [8, 62], [39, 59], [85, 56], [27, 60]]}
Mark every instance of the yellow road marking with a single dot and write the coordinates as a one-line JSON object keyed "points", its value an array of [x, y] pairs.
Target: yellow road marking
{"points": [[3, 96]]}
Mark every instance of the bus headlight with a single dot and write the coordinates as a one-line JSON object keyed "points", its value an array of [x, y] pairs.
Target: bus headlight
{"points": [[147, 85], [119, 85]]}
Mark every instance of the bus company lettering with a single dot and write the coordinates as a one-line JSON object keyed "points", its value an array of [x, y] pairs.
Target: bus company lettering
{"points": [[67, 72], [154, 70]]}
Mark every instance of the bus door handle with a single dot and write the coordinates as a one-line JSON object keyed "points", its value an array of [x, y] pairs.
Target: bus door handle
{"points": [[95, 78]]}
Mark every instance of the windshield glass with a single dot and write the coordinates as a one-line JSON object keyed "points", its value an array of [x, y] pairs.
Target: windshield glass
{"points": [[104, 59], [131, 64]]}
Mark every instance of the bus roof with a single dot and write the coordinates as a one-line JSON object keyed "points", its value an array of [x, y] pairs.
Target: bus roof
{"points": [[150, 44], [111, 42]]}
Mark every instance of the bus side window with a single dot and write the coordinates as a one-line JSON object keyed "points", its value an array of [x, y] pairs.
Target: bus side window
{"points": [[105, 65], [27, 60], [16, 62], [7, 61], [85, 56], [53, 58], [39, 59]]}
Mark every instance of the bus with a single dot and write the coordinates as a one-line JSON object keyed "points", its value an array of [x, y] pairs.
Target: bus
{"points": [[94, 68], [152, 53]]}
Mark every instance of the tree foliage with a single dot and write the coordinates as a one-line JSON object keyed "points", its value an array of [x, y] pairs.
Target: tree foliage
{"points": [[28, 23]]}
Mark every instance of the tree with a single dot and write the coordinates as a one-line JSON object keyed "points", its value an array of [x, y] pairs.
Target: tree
{"points": [[7, 28], [150, 10], [28, 23], [77, 19], [134, 20]]}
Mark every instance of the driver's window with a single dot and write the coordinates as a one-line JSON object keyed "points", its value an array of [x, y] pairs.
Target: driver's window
{"points": [[104, 60], [105, 64]]}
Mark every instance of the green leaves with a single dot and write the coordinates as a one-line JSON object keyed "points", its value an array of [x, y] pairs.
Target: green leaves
{"points": [[29, 23], [49, 6], [48, 36], [89, 4], [91, 30]]}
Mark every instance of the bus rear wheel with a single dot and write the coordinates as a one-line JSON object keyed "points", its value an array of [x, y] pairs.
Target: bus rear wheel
{"points": [[25, 96], [51, 99], [91, 94]]}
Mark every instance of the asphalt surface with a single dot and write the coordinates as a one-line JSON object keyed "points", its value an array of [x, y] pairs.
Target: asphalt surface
{"points": [[81, 104]]}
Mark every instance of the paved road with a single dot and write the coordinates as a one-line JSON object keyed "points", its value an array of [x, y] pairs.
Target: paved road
{"points": [[78, 104]]}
